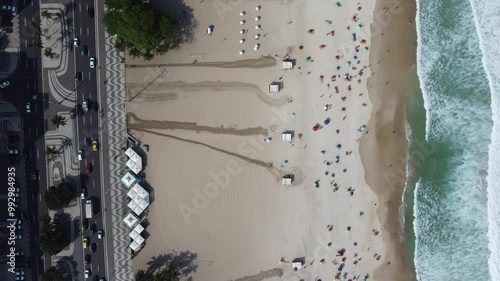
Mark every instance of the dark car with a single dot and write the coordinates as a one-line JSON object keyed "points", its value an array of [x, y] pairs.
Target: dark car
{"points": [[7, 24], [85, 224], [90, 12], [84, 51], [79, 76], [93, 228], [96, 278], [87, 259], [93, 247], [8, 30], [88, 168]]}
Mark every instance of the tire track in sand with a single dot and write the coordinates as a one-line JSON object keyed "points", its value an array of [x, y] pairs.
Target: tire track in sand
{"points": [[262, 62], [138, 123]]}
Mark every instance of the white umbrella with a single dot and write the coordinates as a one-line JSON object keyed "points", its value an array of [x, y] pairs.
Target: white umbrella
{"points": [[256, 47], [257, 36], [242, 31], [257, 18], [243, 13], [242, 52], [242, 22], [258, 26], [242, 41], [257, 8]]}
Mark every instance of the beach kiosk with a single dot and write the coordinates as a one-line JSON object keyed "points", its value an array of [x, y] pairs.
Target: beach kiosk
{"points": [[286, 180], [274, 87], [287, 64], [286, 136], [296, 265]]}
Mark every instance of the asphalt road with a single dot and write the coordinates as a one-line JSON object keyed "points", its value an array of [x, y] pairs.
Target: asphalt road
{"points": [[88, 125]]}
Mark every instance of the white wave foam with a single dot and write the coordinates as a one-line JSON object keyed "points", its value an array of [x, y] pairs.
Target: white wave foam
{"points": [[487, 19]]}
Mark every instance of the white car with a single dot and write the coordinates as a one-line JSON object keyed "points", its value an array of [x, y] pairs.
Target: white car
{"points": [[83, 194], [28, 107], [76, 42], [92, 62], [5, 84], [14, 11], [87, 273], [80, 155], [210, 29]]}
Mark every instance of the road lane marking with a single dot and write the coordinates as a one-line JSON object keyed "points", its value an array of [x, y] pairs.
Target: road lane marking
{"points": [[92, 162], [89, 77], [90, 119], [38, 154], [88, 32], [25, 43], [39, 198], [93, 182], [80, 31], [83, 120], [80, 7], [97, 268], [24, 21]]}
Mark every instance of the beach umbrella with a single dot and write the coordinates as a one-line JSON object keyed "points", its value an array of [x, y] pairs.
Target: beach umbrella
{"points": [[257, 8], [256, 47], [322, 152], [257, 18], [258, 27], [365, 49], [338, 67], [242, 52], [315, 128], [242, 41], [327, 121], [308, 59], [257, 36], [242, 31], [338, 147], [242, 22], [243, 13], [338, 4], [348, 63]]}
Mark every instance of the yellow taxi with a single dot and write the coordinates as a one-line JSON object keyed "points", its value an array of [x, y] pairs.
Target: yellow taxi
{"points": [[95, 145], [85, 242]]}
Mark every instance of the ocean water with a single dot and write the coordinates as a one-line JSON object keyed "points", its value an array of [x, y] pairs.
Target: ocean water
{"points": [[455, 152]]}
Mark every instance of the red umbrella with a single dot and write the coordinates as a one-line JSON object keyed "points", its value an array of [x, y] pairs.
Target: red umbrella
{"points": [[315, 128]]}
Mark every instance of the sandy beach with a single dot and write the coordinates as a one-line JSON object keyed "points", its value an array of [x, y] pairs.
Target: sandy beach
{"points": [[206, 111]]}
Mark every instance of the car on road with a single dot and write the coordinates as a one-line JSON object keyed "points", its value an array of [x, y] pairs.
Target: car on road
{"points": [[28, 107], [84, 194], [96, 278], [80, 155], [93, 247], [84, 51], [87, 259], [93, 228], [95, 145], [76, 42], [88, 168], [92, 62], [88, 141], [85, 242], [85, 224], [100, 234], [79, 76], [87, 273], [19, 278], [35, 175], [85, 105], [4, 84], [8, 30], [90, 12], [14, 11], [13, 151]]}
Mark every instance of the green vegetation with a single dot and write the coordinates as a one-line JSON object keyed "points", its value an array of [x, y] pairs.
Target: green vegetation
{"points": [[52, 237], [48, 52], [165, 274], [52, 153], [58, 120], [51, 274], [140, 29], [59, 197]]}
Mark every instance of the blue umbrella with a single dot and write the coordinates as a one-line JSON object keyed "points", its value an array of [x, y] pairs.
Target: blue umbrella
{"points": [[327, 121]]}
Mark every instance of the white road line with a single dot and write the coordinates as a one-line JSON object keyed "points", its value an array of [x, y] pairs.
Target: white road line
{"points": [[89, 76], [38, 154], [80, 7], [88, 32], [25, 43], [92, 162], [32, 3], [80, 31], [24, 21], [40, 197], [83, 120], [90, 117], [93, 182], [97, 268]]}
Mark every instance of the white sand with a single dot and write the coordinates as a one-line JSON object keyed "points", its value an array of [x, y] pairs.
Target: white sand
{"points": [[215, 119]]}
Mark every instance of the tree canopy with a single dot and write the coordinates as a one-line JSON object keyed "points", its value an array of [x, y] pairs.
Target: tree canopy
{"points": [[51, 274], [53, 238], [60, 196], [165, 274], [136, 25]]}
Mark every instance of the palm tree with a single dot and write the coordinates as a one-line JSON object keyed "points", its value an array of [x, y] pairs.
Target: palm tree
{"points": [[50, 54], [147, 55], [120, 45], [52, 153], [58, 120], [37, 43], [35, 24], [134, 52]]}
